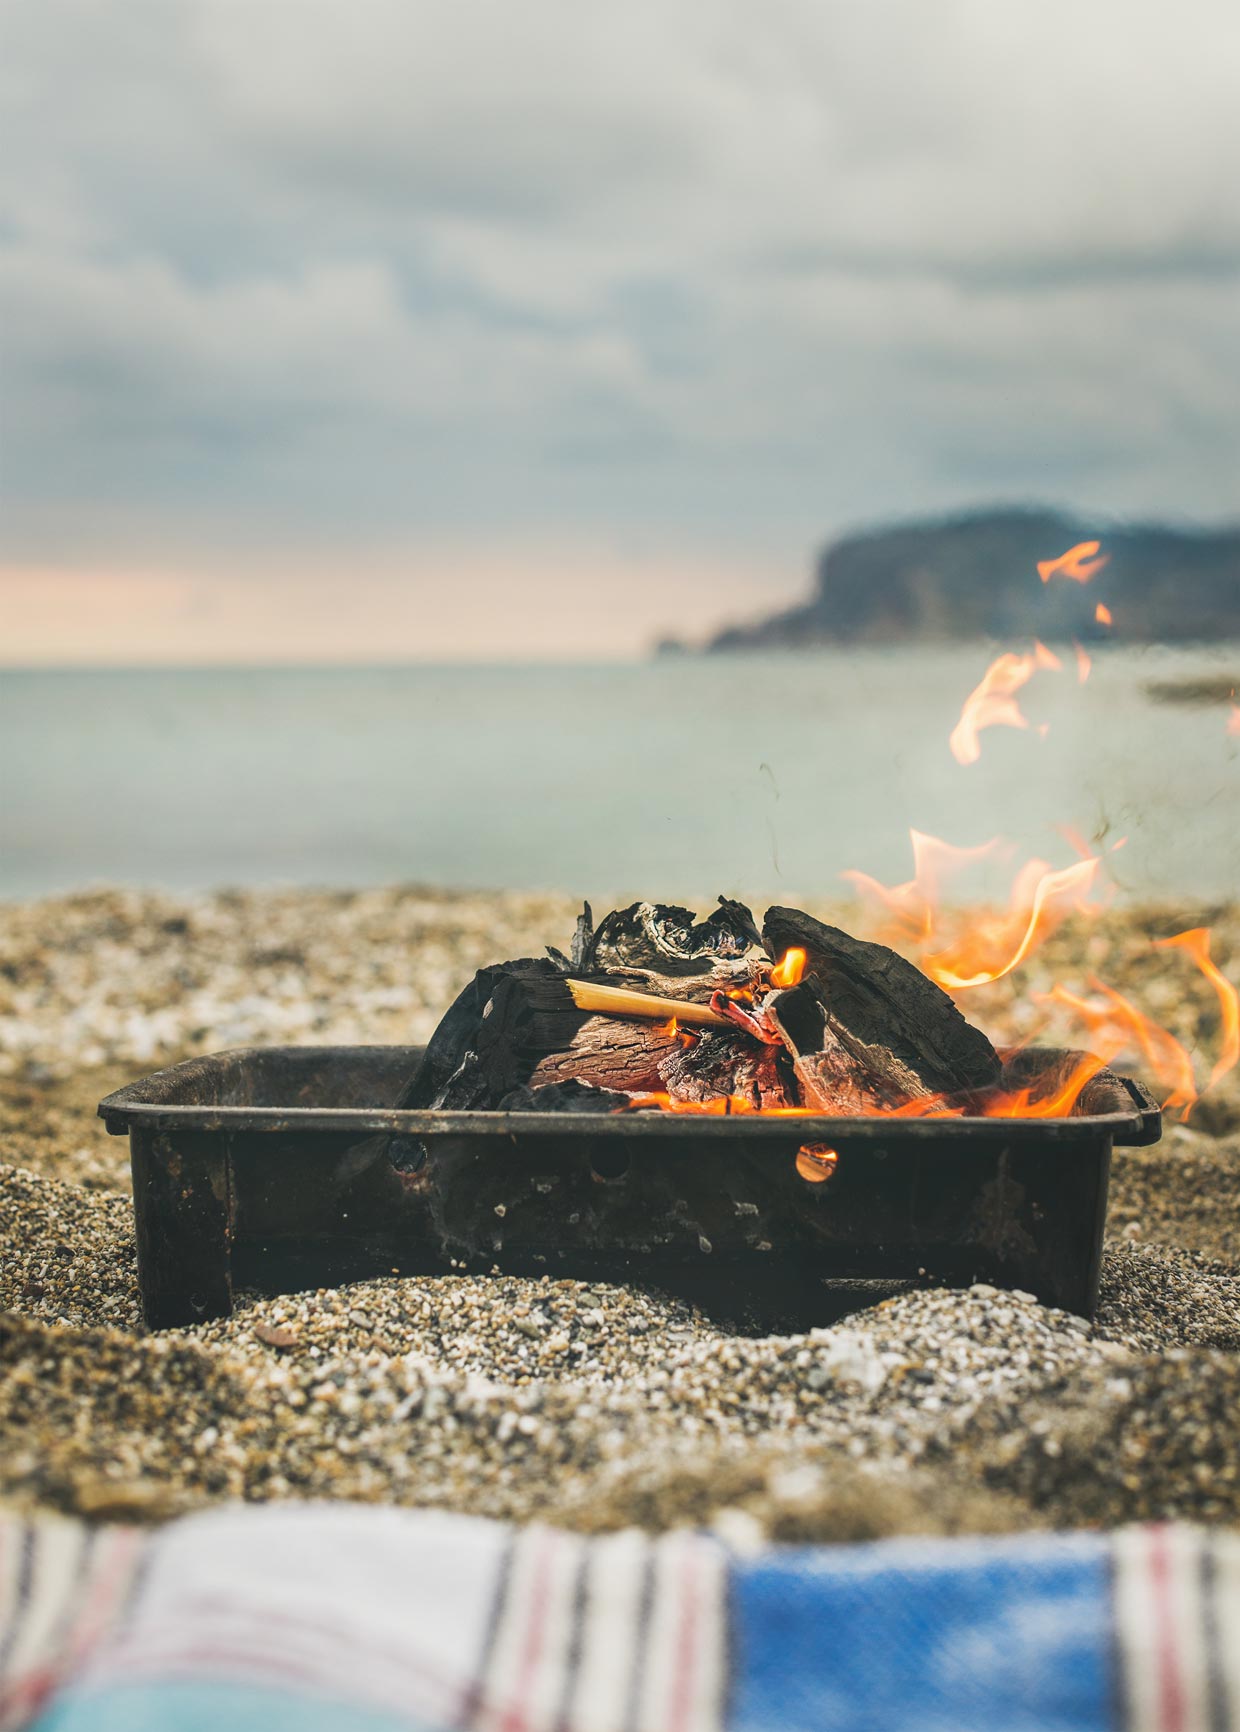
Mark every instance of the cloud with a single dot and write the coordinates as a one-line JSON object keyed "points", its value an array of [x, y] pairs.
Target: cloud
{"points": [[324, 276]]}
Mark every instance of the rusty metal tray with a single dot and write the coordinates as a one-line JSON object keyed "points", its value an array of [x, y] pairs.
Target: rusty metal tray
{"points": [[271, 1169]]}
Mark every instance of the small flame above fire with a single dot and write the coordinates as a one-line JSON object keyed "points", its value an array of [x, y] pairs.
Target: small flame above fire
{"points": [[673, 1031], [789, 969], [964, 952], [1079, 563], [992, 944], [1102, 614], [992, 704], [1041, 899], [1197, 944]]}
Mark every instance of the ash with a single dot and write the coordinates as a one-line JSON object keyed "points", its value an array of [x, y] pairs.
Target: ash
{"points": [[591, 1406]]}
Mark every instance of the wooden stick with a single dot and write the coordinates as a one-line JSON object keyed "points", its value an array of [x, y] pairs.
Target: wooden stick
{"points": [[619, 1001]]}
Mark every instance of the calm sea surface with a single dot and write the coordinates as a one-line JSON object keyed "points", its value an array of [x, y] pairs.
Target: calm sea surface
{"points": [[756, 775]]}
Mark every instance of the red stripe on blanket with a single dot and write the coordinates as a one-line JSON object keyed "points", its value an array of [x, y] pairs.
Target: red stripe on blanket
{"points": [[517, 1715], [680, 1703], [1170, 1683], [107, 1591]]}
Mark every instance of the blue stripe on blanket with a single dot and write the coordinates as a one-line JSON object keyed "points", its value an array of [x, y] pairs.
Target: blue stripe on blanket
{"points": [[964, 1637], [201, 1707]]}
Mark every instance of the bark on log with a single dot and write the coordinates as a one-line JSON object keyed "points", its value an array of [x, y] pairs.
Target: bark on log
{"points": [[671, 940], [516, 1025], [885, 1002], [838, 1073], [727, 1063]]}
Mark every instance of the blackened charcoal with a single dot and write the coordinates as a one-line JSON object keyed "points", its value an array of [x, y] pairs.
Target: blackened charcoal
{"points": [[884, 1001], [565, 1097], [671, 940]]}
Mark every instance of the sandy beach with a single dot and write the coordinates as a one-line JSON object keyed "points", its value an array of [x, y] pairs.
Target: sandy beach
{"points": [[588, 1405]]}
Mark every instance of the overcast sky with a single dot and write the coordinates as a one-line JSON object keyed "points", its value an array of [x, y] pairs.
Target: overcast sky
{"points": [[382, 327]]}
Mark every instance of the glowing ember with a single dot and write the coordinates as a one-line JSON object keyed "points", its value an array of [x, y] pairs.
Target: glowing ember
{"points": [[1079, 563], [672, 1029], [816, 1162], [718, 1106], [1102, 614], [993, 703], [789, 969]]}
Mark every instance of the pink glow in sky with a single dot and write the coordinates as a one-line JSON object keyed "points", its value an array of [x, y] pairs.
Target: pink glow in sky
{"points": [[442, 605]]}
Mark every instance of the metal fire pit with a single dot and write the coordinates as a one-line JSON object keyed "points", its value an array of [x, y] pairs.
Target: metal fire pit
{"points": [[271, 1169]]}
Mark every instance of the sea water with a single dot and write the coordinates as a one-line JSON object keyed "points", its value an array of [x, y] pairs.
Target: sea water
{"points": [[757, 775]]}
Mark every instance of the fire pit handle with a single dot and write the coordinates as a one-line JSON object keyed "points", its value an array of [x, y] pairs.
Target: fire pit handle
{"points": [[1147, 1126]]}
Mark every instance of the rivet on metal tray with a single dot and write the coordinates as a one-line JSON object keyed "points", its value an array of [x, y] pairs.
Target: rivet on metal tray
{"points": [[407, 1154]]}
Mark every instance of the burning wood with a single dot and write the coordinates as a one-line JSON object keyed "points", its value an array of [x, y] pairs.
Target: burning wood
{"points": [[656, 1010]]}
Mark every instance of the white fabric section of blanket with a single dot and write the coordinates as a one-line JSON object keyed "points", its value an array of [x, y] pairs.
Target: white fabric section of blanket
{"points": [[447, 1620], [388, 1608]]}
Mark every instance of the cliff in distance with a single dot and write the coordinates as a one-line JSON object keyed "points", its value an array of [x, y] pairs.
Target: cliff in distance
{"points": [[975, 576]]}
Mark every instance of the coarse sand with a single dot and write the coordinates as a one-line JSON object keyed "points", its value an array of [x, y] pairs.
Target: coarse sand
{"points": [[589, 1405]]}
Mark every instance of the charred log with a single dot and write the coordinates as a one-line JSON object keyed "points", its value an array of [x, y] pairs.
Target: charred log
{"points": [[481, 1048], [609, 1052], [885, 1002], [566, 1097], [668, 940], [726, 1064], [838, 1073], [516, 1024]]}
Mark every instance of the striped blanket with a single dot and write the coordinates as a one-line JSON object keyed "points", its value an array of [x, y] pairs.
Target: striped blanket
{"points": [[317, 1618]]}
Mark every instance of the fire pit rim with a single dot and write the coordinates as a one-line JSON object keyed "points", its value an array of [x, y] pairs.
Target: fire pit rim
{"points": [[133, 1105]]}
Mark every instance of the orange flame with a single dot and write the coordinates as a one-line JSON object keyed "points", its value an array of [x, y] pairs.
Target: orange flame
{"points": [[816, 1162], [1197, 944], [1078, 563], [1102, 613], [719, 1106], [914, 907], [1057, 1103], [1117, 1024], [992, 944], [1041, 899], [672, 1030], [1083, 662], [789, 969], [993, 703], [1233, 720]]}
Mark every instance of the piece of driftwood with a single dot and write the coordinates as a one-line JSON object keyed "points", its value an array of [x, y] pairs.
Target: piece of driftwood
{"points": [[609, 1052], [885, 1002]]}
